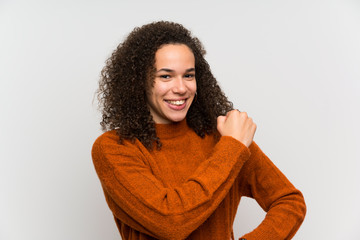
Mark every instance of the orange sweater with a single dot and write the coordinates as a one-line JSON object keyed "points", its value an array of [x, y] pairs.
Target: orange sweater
{"points": [[191, 188]]}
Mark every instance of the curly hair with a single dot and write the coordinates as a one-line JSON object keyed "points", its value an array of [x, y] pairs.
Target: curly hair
{"points": [[129, 70]]}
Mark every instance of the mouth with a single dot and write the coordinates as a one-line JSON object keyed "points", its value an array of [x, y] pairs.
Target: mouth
{"points": [[176, 102], [176, 105]]}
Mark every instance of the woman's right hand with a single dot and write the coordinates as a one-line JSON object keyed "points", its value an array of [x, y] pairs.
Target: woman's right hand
{"points": [[238, 125]]}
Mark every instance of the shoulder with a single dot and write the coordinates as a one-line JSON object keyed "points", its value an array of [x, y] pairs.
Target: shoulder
{"points": [[107, 137], [103, 143], [109, 154], [105, 140], [108, 143]]}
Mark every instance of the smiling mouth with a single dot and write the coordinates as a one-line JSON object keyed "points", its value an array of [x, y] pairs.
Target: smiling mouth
{"points": [[176, 103]]}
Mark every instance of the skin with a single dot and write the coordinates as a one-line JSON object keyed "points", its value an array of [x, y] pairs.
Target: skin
{"points": [[238, 125], [174, 86], [174, 90]]}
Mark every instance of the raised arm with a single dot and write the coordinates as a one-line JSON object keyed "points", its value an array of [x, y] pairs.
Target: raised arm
{"points": [[285, 206], [143, 202]]}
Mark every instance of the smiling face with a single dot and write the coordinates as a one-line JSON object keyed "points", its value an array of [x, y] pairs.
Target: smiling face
{"points": [[174, 86]]}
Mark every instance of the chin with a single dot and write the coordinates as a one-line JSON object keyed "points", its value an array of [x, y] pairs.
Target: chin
{"points": [[177, 118]]}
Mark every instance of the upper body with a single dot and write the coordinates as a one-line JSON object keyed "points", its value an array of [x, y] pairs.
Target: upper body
{"points": [[191, 188], [157, 90]]}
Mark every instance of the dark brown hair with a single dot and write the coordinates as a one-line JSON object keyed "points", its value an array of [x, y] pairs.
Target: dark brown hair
{"points": [[125, 80]]}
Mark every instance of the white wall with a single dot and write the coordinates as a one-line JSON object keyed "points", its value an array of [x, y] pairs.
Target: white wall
{"points": [[292, 65]]}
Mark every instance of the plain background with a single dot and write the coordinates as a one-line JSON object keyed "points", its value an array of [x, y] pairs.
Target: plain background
{"points": [[294, 66]]}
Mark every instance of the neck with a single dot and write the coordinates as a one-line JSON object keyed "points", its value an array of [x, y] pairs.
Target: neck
{"points": [[171, 130]]}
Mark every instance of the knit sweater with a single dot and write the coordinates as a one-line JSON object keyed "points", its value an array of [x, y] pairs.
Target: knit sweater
{"points": [[191, 187]]}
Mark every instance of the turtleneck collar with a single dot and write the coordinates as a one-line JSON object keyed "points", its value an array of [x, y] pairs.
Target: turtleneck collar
{"points": [[172, 130]]}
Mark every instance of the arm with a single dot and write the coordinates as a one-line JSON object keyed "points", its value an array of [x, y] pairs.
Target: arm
{"points": [[284, 204], [142, 202]]}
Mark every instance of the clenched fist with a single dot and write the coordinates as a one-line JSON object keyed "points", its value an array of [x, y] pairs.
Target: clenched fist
{"points": [[237, 125]]}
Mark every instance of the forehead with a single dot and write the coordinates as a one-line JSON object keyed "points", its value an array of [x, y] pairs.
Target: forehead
{"points": [[174, 55]]}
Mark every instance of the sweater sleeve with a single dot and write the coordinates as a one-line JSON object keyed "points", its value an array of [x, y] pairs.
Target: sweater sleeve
{"points": [[285, 206], [141, 201]]}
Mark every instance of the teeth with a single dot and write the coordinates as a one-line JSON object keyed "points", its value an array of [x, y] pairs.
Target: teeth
{"points": [[179, 102]]}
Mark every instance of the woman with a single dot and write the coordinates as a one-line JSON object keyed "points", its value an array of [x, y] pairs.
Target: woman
{"points": [[177, 158]]}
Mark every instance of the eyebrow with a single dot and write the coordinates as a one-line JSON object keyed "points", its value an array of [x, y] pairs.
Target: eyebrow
{"points": [[170, 70]]}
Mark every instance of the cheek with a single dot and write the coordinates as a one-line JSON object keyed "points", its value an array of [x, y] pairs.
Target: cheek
{"points": [[160, 89], [192, 86]]}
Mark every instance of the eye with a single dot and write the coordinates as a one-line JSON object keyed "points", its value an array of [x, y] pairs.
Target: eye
{"points": [[165, 76], [190, 76]]}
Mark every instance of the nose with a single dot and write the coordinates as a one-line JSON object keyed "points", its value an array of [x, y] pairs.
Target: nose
{"points": [[179, 86]]}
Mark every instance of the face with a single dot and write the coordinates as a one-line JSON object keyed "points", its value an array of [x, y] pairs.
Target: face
{"points": [[174, 85]]}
